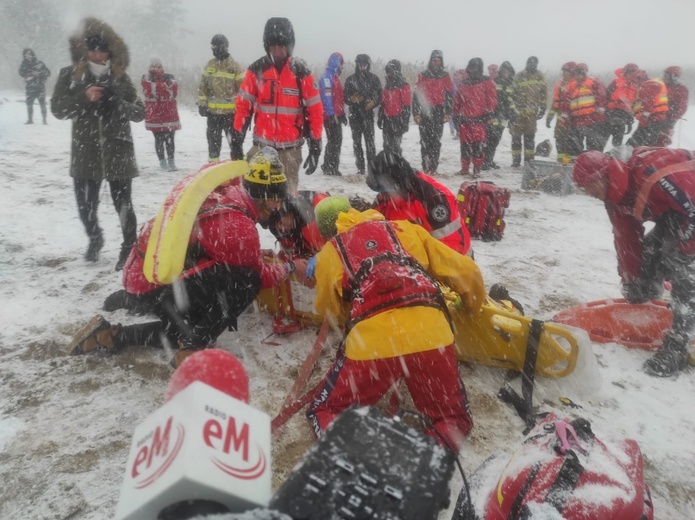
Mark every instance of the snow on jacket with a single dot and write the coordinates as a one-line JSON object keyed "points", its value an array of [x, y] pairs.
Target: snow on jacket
{"points": [[403, 330], [673, 193], [161, 112], [395, 107], [652, 105], [362, 89], [331, 89], [280, 101], [224, 233], [621, 93], [584, 102], [677, 101], [475, 101], [433, 90], [219, 85], [102, 143], [35, 74], [432, 206], [530, 93]]}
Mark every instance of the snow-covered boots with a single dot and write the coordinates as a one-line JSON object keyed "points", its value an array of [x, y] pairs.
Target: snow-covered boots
{"points": [[164, 165], [670, 359], [98, 334], [172, 166]]}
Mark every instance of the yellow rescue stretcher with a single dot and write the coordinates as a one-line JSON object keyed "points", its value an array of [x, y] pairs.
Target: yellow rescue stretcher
{"points": [[497, 335]]}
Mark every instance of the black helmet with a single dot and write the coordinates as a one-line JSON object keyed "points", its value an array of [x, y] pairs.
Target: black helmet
{"points": [[391, 173], [278, 31], [220, 40]]}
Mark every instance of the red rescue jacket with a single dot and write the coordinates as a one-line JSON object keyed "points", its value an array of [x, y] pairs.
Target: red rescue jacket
{"points": [[161, 113], [432, 206], [279, 100], [379, 274], [651, 105], [584, 102], [673, 193], [621, 93]]}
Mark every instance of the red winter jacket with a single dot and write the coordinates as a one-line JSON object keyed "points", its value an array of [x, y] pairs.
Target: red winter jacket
{"points": [[224, 233], [673, 193], [651, 105], [474, 106], [677, 101], [161, 114], [433, 90], [278, 100], [621, 94], [584, 102], [432, 206]]}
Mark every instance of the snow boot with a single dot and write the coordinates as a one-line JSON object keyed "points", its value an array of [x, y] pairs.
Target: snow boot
{"points": [[164, 165], [172, 165], [98, 334], [29, 122], [95, 245], [670, 359]]}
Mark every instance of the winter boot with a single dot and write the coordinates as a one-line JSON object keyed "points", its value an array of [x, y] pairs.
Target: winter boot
{"points": [[172, 165], [95, 245], [164, 165], [670, 359], [98, 334], [29, 122]]}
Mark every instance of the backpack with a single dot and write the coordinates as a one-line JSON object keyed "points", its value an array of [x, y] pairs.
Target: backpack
{"points": [[481, 205], [562, 470]]}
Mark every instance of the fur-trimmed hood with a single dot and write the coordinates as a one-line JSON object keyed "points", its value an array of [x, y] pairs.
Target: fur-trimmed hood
{"points": [[120, 57]]}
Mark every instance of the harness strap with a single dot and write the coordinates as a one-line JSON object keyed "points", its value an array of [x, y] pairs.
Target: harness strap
{"points": [[643, 194]]}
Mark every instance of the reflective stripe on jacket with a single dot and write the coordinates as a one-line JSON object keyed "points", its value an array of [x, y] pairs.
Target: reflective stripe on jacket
{"points": [[219, 85], [585, 102], [281, 101]]}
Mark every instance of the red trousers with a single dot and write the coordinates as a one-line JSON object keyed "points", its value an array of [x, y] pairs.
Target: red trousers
{"points": [[431, 377]]}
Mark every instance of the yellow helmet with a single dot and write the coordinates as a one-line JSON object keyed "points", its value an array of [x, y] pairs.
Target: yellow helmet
{"points": [[265, 178]]}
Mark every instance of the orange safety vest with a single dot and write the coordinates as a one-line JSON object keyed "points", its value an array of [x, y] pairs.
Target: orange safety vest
{"points": [[582, 98], [623, 96], [658, 104]]}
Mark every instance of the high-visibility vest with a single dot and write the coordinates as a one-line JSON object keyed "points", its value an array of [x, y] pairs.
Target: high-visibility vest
{"points": [[582, 98], [623, 96]]}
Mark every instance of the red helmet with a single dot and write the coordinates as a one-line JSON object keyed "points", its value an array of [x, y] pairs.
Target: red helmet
{"points": [[674, 71], [581, 67], [569, 66], [592, 166], [630, 68]]}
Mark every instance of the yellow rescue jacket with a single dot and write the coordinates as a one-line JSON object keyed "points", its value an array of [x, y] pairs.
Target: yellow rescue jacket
{"points": [[404, 330], [219, 85]]}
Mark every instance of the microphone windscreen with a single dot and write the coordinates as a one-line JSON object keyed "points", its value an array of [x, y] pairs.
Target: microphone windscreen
{"points": [[214, 367]]}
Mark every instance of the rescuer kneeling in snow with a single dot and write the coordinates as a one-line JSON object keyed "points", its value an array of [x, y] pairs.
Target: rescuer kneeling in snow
{"points": [[379, 279], [657, 185]]}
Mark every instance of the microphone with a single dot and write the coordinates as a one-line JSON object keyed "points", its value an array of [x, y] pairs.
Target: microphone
{"points": [[205, 451]]}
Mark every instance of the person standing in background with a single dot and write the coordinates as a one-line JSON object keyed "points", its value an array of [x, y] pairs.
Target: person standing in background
{"points": [[96, 93], [584, 106], [35, 74], [505, 112], [620, 96], [333, 100], [432, 106], [394, 111], [677, 103], [530, 98], [280, 94], [161, 112], [217, 92], [362, 95]]}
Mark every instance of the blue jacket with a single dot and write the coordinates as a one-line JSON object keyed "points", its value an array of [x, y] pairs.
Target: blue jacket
{"points": [[327, 85]]}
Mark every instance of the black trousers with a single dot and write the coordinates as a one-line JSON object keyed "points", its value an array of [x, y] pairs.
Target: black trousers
{"points": [[164, 140], [431, 130], [87, 195], [392, 139], [363, 125], [218, 123], [648, 135], [616, 123], [494, 136], [212, 301], [31, 96], [585, 138], [334, 141]]}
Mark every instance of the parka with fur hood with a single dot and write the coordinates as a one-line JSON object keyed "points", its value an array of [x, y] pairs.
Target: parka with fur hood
{"points": [[106, 121]]}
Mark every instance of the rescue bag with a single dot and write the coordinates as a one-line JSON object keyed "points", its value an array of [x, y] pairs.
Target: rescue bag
{"points": [[481, 205], [562, 470]]}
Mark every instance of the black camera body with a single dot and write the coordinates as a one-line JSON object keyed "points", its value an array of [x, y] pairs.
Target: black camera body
{"points": [[367, 466]]}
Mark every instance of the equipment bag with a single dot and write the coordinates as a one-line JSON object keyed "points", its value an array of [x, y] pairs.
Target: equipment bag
{"points": [[562, 470], [481, 205]]}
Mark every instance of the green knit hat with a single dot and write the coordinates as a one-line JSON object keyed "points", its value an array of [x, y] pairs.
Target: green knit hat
{"points": [[327, 212]]}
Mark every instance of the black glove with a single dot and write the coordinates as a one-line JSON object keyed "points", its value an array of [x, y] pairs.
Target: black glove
{"points": [[203, 111], [312, 161], [343, 119], [237, 145], [628, 128], [547, 122], [541, 113]]}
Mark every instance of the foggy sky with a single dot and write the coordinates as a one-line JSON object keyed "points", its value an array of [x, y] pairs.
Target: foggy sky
{"points": [[605, 34]]}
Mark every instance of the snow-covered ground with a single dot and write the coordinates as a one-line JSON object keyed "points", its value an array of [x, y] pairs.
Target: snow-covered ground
{"points": [[66, 422]]}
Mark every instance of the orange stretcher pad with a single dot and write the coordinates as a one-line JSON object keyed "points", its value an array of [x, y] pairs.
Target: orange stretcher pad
{"points": [[495, 336]]}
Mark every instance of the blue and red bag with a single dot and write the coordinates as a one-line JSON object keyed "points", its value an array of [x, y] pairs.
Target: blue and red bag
{"points": [[481, 205]]}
